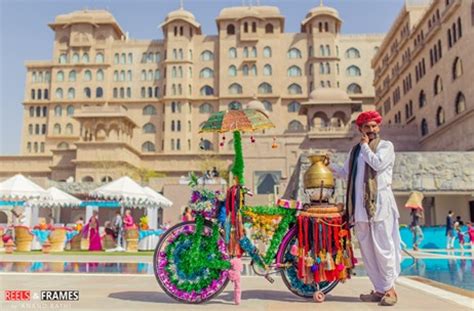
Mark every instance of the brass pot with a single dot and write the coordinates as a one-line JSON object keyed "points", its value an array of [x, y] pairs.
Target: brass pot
{"points": [[318, 173]]}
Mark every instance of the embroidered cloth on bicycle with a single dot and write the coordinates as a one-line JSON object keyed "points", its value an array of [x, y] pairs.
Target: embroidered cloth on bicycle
{"points": [[330, 211]]}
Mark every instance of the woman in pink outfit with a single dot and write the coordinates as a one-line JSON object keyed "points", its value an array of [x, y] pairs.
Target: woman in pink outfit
{"points": [[128, 220], [92, 231]]}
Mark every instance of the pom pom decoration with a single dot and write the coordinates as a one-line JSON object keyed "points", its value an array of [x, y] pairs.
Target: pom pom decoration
{"points": [[294, 250], [234, 276]]}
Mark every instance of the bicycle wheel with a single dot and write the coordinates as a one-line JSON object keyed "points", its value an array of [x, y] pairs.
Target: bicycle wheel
{"points": [[192, 268], [290, 276]]}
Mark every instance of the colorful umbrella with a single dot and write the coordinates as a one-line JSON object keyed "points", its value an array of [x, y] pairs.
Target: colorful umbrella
{"points": [[236, 121], [247, 120], [415, 200]]}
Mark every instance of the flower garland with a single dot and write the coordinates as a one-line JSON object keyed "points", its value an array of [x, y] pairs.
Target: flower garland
{"points": [[194, 261], [238, 167], [263, 225], [287, 217]]}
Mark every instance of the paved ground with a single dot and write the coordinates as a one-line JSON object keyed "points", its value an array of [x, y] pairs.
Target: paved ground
{"points": [[141, 292]]}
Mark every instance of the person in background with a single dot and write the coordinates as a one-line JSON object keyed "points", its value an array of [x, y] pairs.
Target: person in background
{"points": [[187, 215], [215, 172], [91, 231], [79, 224], [460, 236], [416, 215], [459, 220], [470, 233], [450, 230], [118, 227], [128, 220]]}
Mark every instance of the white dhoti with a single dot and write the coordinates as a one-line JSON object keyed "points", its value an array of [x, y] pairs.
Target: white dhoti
{"points": [[380, 248]]}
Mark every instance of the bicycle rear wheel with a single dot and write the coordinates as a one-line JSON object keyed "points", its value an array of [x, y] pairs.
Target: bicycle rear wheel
{"points": [[290, 275], [191, 268]]}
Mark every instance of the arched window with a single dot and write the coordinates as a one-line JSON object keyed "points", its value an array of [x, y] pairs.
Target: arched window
{"points": [[354, 88], [328, 50], [46, 94], [32, 112], [70, 110], [269, 28], [268, 105], [45, 111], [129, 75], [231, 29], [232, 53], [59, 93], [60, 76], [85, 58], [87, 179], [235, 106], [253, 52], [245, 70], [322, 51], [206, 108], [157, 92], [38, 111], [424, 127], [72, 76], [253, 70], [207, 55], [328, 68], [440, 116], [58, 111], [265, 88], [57, 129], [295, 126], [246, 27], [99, 92], [353, 71], [246, 52], [69, 129], [232, 71], [149, 110], [63, 58], [149, 128], [63, 146], [71, 93], [294, 71], [130, 58], [100, 75], [438, 85], [295, 89], [293, 107], [422, 99], [99, 58], [460, 103], [87, 75], [267, 70], [40, 94], [254, 27], [206, 73], [294, 53], [106, 179], [148, 146], [157, 57], [207, 91], [352, 53], [142, 75], [75, 58], [33, 94], [267, 52], [457, 68], [235, 88], [157, 74], [87, 92]]}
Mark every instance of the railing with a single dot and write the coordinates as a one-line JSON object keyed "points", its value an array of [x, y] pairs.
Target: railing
{"points": [[331, 131]]}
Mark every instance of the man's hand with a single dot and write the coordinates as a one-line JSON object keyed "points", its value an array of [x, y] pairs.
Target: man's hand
{"points": [[364, 139]]}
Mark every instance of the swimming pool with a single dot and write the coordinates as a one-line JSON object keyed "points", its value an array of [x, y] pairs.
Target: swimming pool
{"points": [[454, 272]]}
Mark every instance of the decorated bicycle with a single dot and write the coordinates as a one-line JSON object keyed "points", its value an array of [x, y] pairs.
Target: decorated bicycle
{"points": [[309, 246]]}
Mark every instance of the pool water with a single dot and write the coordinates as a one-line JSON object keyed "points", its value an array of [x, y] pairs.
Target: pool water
{"points": [[454, 272]]}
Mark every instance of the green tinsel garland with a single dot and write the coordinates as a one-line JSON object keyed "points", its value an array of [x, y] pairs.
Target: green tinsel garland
{"points": [[203, 254], [238, 167], [287, 217]]}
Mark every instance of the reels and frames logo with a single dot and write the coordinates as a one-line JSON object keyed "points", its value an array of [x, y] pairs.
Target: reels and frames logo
{"points": [[44, 295]]}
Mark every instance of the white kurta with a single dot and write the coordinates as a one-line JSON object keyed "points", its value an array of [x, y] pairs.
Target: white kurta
{"points": [[379, 239]]}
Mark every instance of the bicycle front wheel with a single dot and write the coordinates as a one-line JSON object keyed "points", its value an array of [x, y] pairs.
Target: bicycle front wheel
{"points": [[190, 267]]}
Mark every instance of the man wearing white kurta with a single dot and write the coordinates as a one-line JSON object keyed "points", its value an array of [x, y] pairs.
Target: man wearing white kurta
{"points": [[377, 231]]}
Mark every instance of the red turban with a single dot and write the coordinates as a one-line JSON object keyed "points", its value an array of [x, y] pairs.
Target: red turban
{"points": [[368, 116]]}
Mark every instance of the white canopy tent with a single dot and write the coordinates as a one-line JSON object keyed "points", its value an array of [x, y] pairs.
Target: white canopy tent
{"points": [[56, 200], [19, 188], [152, 212]]}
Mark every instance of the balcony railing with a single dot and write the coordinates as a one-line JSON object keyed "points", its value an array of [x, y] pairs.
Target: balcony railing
{"points": [[331, 132]]}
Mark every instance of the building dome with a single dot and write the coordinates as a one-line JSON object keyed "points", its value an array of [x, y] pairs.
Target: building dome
{"points": [[260, 12], [329, 95], [182, 15], [94, 17], [321, 10], [257, 105]]}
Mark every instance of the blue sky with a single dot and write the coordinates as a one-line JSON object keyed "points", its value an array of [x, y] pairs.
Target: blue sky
{"points": [[23, 28]]}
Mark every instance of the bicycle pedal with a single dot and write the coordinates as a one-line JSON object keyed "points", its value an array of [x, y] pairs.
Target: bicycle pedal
{"points": [[269, 279]]}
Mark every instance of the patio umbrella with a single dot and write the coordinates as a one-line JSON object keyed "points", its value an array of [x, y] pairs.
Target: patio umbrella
{"points": [[57, 198], [236, 121], [415, 200]]}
